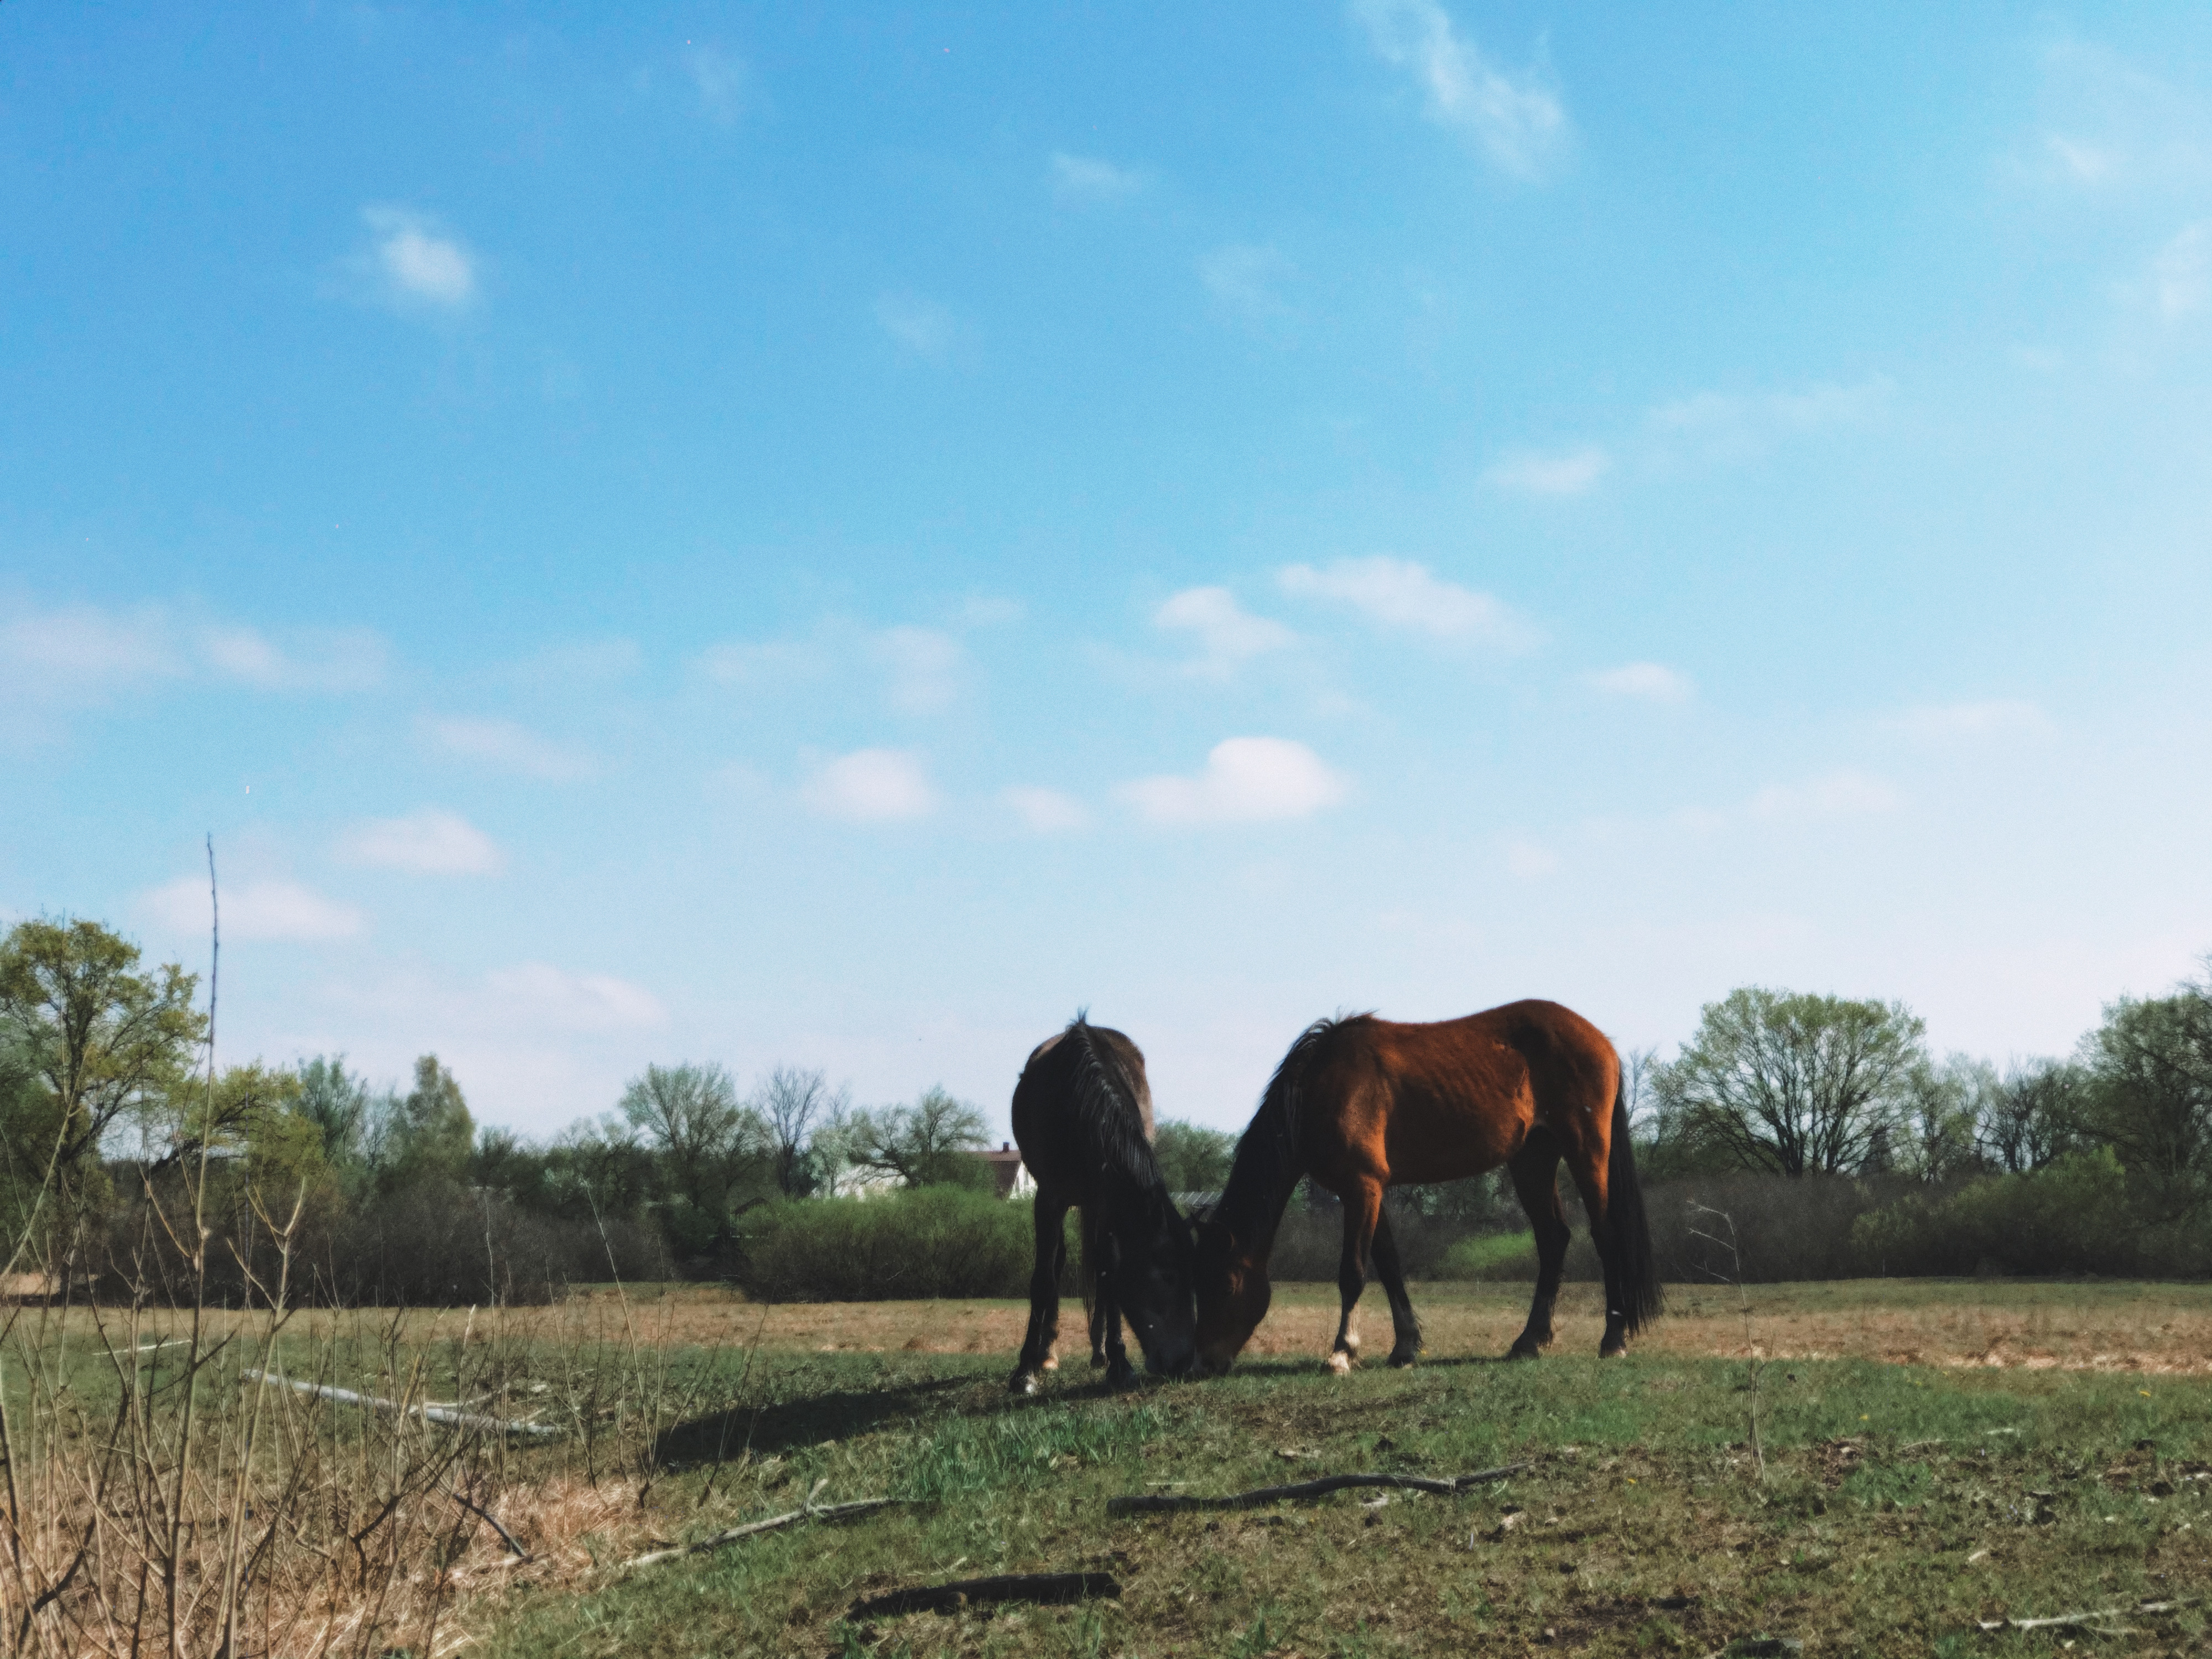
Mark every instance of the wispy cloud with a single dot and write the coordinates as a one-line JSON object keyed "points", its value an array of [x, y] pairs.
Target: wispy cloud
{"points": [[416, 266], [1400, 594], [1650, 680], [538, 993], [1531, 860], [2110, 125], [1832, 795], [1515, 120], [510, 746], [1245, 781], [1047, 812], [429, 842], [1086, 179], [722, 81], [1227, 636], [923, 667], [1246, 281], [872, 785], [2181, 275], [1541, 472], [922, 326], [272, 910], [921, 670], [82, 653], [1738, 426], [1949, 722]]}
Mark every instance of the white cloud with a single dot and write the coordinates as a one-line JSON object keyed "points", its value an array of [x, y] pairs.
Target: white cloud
{"points": [[1832, 795], [1245, 781], [430, 842], [1400, 593], [722, 81], [1245, 280], [872, 785], [2085, 164], [510, 746], [255, 910], [1530, 860], [541, 994], [1999, 717], [922, 326], [1727, 426], [415, 265], [319, 659], [82, 653], [1535, 473], [1517, 122], [1653, 681], [924, 667], [1228, 636], [2181, 275], [1046, 811], [1086, 179], [762, 662]]}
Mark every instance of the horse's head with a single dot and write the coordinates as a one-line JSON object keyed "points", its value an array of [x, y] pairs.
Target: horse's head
{"points": [[1150, 1272], [1233, 1294]]}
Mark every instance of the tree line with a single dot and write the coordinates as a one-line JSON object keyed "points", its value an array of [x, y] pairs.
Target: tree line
{"points": [[107, 1113]]}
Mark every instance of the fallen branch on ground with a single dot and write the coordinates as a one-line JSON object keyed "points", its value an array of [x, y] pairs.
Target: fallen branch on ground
{"points": [[2098, 1620], [489, 1520], [1158, 1502], [445, 1414], [810, 1512], [1045, 1589]]}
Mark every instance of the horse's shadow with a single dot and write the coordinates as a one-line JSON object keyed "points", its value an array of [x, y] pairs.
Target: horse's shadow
{"points": [[807, 1421]]}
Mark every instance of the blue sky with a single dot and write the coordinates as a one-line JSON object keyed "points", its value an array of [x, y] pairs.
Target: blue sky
{"points": [[837, 536]]}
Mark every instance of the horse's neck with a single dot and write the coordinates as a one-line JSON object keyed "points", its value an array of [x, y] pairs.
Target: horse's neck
{"points": [[1252, 1206]]}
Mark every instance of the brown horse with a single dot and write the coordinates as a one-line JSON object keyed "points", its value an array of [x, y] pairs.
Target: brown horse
{"points": [[1362, 1104], [1083, 1115]]}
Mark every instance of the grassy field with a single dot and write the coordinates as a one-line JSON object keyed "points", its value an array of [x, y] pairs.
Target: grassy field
{"points": [[1936, 1455]]}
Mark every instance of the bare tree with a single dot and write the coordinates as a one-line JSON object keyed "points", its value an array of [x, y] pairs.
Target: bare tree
{"points": [[793, 1105], [923, 1144], [1796, 1085], [2033, 1115], [691, 1112]]}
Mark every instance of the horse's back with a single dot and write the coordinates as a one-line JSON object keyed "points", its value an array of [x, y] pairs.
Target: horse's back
{"points": [[1046, 1117]]}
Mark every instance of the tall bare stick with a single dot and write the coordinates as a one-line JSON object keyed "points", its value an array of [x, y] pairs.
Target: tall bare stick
{"points": [[1743, 1304]]}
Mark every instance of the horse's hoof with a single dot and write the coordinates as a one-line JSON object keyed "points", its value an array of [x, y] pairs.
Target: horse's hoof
{"points": [[1022, 1383], [1340, 1363], [1524, 1351], [1122, 1374], [1402, 1358], [1612, 1350], [1051, 1363]]}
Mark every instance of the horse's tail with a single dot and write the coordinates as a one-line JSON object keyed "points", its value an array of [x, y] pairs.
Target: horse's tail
{"points": [[1626, 1226], [1087, 1257]]}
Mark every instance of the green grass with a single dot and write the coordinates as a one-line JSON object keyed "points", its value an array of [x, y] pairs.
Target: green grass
{"points": [[1643, 1526]]}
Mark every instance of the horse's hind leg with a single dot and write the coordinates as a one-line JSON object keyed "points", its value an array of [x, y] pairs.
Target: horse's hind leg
{"points": [[1405, 1324], [1106, 1333], [1614, 1342], [1363, 1205], [1051, 1218], [1536, 1170]]}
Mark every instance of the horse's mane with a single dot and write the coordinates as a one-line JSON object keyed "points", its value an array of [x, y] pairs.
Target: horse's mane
{"points": [[1108, 1124], [1266, 1166]]}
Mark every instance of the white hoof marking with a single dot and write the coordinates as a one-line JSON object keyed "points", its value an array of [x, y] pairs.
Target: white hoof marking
{"points": [[1340, 1363], [1351, 1340]]}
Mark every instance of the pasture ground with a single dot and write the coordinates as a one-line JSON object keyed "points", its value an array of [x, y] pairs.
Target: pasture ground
{"points": [[1937, 1454]]}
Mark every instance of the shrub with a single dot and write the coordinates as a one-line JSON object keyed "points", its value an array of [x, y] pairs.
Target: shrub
{"points": [[919, 1243]]}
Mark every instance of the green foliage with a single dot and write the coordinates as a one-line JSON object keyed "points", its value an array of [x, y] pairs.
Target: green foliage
{"points": [[935, 1241], [429, 1134], [2150, 1097], [1192, 1158], [927, 1144], [1795, 1084], [107, 1041]]}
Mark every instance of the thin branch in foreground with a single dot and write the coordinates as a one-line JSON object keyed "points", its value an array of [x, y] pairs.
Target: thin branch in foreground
{"points": [[1306, 1490], [812, 1512], [2098, 1621], [489, 1520], [1044, 1588], [446, 1414]]}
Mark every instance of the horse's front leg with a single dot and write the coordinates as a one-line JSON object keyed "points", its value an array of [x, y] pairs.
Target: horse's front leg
{"points": [[1106, 1328], [1363, 1205], [1051, 1218]]}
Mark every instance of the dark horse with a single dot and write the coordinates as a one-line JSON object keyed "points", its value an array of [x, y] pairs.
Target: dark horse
{"points": [[1362, 1103], [1083, 1115]]}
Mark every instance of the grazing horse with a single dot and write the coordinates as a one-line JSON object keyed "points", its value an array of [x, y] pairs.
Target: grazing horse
{"points": [[1083, 1116], [1362, 1104]]}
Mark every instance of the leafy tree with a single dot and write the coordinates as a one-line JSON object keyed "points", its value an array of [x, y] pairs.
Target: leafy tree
{"points": [[929, 1143], [794, 1104], [428, 1133], [2150, 1093], [2034, 1117], [1939, 1139], [1192, 1158], [340, 1105], [105, 1040], [1794, 1084]]}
